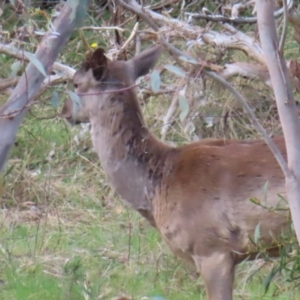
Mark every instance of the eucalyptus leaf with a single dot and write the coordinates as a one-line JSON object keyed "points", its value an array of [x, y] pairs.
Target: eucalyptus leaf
{"points": [[266, 187], [76, 103], [189, 59], [15, 68], [36, 62], [55, 100], [155, 81], [176, 70], [184, 107], [257, 233]]}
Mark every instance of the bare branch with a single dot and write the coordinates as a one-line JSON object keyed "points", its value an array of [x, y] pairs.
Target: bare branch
{"points": [[96, 28], [232, 20], [236, 39], [252, 117], [236, 8], [172, 109], [21, 55], [132, 6], [246, 70]]}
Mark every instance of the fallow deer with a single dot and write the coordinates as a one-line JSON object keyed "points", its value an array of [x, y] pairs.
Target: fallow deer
{"points": [[197, 195]]}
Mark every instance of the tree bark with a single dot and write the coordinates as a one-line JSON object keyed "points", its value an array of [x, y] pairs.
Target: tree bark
{"points": [[285, 103], [15, 109]]}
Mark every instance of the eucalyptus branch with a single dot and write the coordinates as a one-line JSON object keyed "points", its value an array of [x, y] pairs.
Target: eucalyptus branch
{"points": [[253, 119]]}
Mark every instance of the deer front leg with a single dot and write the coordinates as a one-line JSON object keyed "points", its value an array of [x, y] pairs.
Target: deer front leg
{"points": [[217, 271]]}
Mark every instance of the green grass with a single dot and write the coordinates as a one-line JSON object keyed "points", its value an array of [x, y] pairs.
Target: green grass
{"points": [[64, 233]]}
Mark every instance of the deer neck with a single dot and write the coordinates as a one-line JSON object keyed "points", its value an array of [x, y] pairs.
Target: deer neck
{"points": [[130, 155]]}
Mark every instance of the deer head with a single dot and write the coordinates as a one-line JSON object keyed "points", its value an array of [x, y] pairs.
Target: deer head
{"points": [[98, 77]]}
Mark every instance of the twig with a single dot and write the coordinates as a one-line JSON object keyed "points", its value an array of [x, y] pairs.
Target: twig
{"points": [[96, 28], [48, 81], [236, 40], [163, 4], [135, 8], [132, 35], [284, 29], [171, 110], [253, 119]]}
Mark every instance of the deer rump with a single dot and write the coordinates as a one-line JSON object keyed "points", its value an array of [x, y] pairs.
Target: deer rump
{"points": [[198, 196]]}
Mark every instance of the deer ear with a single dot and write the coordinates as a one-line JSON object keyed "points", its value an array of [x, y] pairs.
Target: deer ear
{"points": [[141, 64], [98, 63]]}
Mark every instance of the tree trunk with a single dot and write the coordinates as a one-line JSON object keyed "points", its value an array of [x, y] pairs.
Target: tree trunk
{"points": [[285, 103], [15, 109]]}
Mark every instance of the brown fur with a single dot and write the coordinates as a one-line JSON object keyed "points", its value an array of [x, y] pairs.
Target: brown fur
{"points": [[197, 195]]}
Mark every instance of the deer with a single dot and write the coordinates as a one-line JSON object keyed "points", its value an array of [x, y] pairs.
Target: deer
{"points": [[198, 195]]}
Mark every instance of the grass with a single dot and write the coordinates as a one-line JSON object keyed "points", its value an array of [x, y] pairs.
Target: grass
{"points": [[65, 234]]}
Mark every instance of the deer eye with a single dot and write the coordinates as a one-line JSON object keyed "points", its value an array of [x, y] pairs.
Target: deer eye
{"points": [[75, 85]]}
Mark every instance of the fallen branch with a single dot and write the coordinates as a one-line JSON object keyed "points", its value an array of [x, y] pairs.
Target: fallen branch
{"points": [[246, 70], [234, 40], [209, 16]]}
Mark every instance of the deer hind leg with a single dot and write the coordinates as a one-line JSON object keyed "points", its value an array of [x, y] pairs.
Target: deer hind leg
{"points": [[217, 272]]}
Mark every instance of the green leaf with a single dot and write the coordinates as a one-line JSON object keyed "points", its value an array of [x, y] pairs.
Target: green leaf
{"points": [[36, 62], [257, 233], [184, 107], [9, 171], [266, 191], [176, 70], [76, 103], [55, 100], [15, 68], [4, 57], [267, 281], [155, 81], [189, 60]]}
